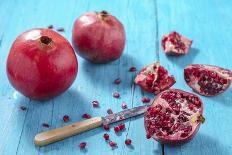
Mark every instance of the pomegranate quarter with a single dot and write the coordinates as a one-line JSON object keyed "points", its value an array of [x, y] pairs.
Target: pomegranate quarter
{"points": [[154, 78], [207, 80], [98, 37], [41, 64], [174, 117]]}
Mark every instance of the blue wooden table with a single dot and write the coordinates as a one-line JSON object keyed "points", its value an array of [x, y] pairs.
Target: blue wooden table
{"points": [[207, 22]]}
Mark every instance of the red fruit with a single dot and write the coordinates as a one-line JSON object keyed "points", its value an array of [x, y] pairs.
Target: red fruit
{"points": [[41, 64], [82, 145], [45, 125], [207, 80], [121, 126], [145, 99], [154, 78], [124, 106], [106, 136], [109, 111], [113, 144], [65, 118], [116, 95], [117, 81], [116, 129], [106, 126], [23, 108], [87, 116], [175, 44], [170, 120], [98, 37], [132, 69], [128, 141], [95, 104]]}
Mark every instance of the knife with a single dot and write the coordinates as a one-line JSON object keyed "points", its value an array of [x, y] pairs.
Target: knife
{"points": [[48, 137]]}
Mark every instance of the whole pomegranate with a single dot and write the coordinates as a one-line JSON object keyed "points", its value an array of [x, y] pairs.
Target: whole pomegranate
{"points": [[175, 44], [41, 64], [98, 37], [207, 80], [174, 117], [154, 78]]}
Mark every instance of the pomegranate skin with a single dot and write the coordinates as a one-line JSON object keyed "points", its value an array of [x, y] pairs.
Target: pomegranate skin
{"points": [[175, 139], [98, 37], [41, 64]]}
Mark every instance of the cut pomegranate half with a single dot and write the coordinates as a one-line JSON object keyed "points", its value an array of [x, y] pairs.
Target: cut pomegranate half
{"points": [[175, 44], [154, 78], [174, 117], [207, 80]]}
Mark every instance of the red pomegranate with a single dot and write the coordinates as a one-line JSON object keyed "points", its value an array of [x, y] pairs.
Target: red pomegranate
{"points": [[41, 64], [174, 117], [154, 78], [207, 80], [175, 44], [98, 37]]}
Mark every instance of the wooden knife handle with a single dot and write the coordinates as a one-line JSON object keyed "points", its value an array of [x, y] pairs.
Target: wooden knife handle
{"points": [[48, 137]]}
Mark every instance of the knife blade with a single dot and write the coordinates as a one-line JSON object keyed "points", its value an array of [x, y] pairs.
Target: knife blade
{"points": [[61, 133]]}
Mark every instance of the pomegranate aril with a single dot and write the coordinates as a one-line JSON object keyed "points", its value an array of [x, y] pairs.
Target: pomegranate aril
{"points": [[124, 106], [95, 104], [106, 136], [116, 95], [106, 126], [132, 69], [113, 144], [121, 126], [117, 81], [87, 116], [23, 108], [65, 118], [61, 29], [145, 99], [109, 111], [116, 129], [50, 26], [82, 145], [128, 141], [45, 125]]}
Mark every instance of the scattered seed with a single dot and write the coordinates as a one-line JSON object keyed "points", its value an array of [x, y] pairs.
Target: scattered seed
{"points": [[116, 95], [113, 144], [45, 125], [87, 116], [106, 136], [61, 29], [117, 81], [124, 106], [109, 111], [23, 108], [132, 69], [82, 145], [116, 129], [66, 118], [145, 99], [106, 126], [128, 141], [95, 104], [50, 26], [121, 126]]}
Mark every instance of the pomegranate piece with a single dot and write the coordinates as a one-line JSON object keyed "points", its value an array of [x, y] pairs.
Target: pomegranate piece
{"points": [[154, 78], [175, 44], [66, 118], [106, 136], [117, 81], [116, 129], [145, 99], [128, 141], [87, 116], [169, 119], [207, 80], [45, 125], [116, 95], [124, 106], [23, 108], [82, 145], [95, 104], [113, 144], [41, 64], [106, 126], [98, 37]]}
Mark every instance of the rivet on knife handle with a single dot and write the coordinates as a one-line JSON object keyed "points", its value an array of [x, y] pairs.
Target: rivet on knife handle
{"points": [[58, 134]]}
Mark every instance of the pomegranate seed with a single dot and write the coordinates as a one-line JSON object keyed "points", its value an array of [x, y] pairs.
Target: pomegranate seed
{"points": [[132, 69], [121, 126], [50, 26], [145, 99], [109, 111], [124, 106], [61, 29], [106, 126], [87, 116], [82, 145], [106, 136], [128, 141], [117, 81], [45, 125], [66, 118], [23, 108], [116, 95], [95, 104], [116, 129], [113, 144]]}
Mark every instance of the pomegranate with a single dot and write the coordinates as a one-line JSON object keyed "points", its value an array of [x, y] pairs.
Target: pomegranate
{"points": [[41, 64], [174, 117], [175, 44], [207, 80], [154, 78], [98, 37]]}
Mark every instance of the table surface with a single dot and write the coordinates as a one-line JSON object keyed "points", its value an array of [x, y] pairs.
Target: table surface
{"points": [[207, 22]]}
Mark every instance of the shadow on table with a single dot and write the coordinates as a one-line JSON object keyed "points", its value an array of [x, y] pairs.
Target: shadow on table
{"points": [[184, 60]]}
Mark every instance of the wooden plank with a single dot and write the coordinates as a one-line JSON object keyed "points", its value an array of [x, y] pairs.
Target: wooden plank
{"points": [[209, 25]]}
